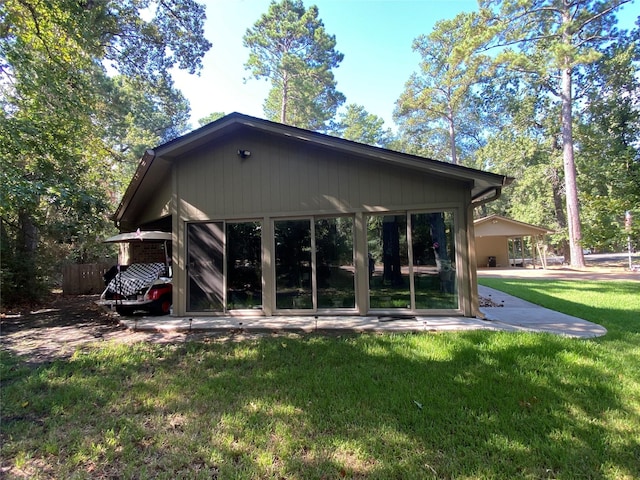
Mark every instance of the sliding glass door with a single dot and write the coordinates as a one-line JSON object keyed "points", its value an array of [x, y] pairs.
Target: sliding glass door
{"points": [[335, 270], [205, 253], [433, 265], [224, 266], [388, 262]]}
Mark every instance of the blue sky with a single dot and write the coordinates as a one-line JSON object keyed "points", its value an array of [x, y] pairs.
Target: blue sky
{"points": [[375, 37]]}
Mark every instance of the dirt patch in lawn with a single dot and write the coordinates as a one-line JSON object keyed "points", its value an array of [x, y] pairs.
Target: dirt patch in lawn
{"points": [[63, 324]]}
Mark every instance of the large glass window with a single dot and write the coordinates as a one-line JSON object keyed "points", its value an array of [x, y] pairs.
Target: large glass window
{"points": [[433, 253], [388, 262], [244, 265], [204, 266], [335, 272], [412, 265], [293, 264]]}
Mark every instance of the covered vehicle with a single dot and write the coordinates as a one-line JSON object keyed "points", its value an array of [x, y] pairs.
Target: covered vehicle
{"points": [[143, 285]]}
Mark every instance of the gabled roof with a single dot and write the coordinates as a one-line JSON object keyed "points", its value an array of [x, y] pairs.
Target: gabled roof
{"points": [[155, 164], [498, 226]]}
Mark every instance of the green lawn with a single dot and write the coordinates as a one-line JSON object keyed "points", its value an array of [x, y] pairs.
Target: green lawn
{"points": [[416, 406]]}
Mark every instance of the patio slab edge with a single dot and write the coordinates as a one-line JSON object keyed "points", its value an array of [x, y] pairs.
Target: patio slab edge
{"points": [[306, 324], [496, 319]]}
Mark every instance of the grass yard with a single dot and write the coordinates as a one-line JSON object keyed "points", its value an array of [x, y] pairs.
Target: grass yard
{"points": [[435, 405]]}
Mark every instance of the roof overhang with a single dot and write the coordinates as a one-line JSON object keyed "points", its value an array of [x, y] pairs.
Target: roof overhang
{"points": [[155, 164], [499, 226]]}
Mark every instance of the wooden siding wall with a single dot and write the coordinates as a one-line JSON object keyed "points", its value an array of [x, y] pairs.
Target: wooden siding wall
{"points": [[293, 178]]}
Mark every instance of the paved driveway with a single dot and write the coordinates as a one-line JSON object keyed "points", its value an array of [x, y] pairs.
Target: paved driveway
{"points": [[563, 273]]}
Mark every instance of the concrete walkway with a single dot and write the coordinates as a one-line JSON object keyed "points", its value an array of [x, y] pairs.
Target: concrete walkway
{"points": [[514, 315]]}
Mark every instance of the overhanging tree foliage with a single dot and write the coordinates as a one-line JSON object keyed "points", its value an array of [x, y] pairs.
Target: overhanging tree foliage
{"points": [[290, 48], [84, 84], [609, 139], [554, 39], [527, 146], [212, 117]]}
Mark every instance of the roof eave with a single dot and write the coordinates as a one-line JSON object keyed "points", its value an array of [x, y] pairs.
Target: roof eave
{"points": [[141, 171], [542, 230]]}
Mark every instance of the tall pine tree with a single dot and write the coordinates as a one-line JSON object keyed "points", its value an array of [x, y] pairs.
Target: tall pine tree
{"points": [[552, 39], [291, 49]]}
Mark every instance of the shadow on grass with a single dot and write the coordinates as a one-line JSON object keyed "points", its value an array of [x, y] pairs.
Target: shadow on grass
{"points": [[474, 405]]}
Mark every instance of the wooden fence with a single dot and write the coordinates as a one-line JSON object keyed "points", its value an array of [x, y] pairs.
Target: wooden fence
{"points": [[84, 279]]}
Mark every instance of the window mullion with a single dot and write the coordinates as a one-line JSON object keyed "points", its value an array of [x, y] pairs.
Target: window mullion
{"points": [[412, 290], [314, 281]]}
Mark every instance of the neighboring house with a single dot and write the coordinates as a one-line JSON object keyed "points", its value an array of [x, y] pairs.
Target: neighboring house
{"points": [[269, 219], [500, 240]]}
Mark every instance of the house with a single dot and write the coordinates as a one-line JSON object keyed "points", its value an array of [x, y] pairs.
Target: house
{"points": [[269, 219], [500, 242]]}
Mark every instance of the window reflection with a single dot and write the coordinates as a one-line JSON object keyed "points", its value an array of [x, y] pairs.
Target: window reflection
{"points": [[388, 262], [335, 271], [205, 254], [293, 264], [431, 281], [244, 265], [433, 249]]}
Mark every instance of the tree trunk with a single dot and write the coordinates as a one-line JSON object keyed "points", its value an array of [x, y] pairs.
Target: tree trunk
{"points": [[26, 280], [571, 187], [28, 243], [452, 137], [391, 251], [558, 206], [285, 98], [573, 212]]}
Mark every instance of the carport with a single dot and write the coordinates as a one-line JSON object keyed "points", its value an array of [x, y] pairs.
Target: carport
{"points": [[500, 242]]}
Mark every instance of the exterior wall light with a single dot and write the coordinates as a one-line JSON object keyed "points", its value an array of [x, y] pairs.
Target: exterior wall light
{"points": [[244, 153]]}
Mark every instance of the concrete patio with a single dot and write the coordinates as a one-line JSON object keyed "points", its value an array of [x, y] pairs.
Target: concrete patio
{"points": [[513, 315]]}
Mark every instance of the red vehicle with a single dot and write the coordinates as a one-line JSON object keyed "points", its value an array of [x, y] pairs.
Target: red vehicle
{"points": [[139, 286]]}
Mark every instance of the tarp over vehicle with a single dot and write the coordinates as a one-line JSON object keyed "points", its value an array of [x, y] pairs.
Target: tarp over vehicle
{"points": [[136, 277]]}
